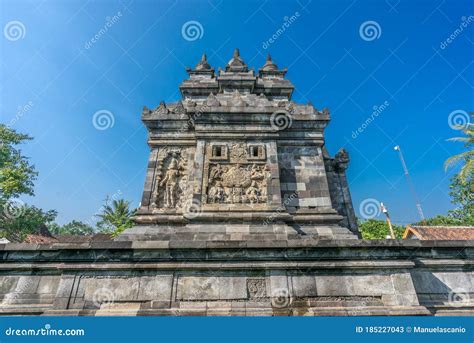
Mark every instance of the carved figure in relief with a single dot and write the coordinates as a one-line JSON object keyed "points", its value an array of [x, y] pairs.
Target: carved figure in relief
{"points": [[216, 172], [171, 178], [216, 193], [227, 195], [170, 181], [252, 193], [256, 173], [212, 194], [238, 152], [236, 195]]}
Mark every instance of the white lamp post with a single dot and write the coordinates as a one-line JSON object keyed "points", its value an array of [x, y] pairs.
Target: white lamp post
{"points": [[410, 183]]}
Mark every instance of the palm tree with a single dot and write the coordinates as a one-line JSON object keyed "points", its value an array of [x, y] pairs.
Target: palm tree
{"points": [[468, 140], [116, 216]]}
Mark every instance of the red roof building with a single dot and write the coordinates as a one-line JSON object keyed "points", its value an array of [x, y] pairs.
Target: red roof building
{"points": [[437, 233]]}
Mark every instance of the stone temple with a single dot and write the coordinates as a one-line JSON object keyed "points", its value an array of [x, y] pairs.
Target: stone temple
{"points": [[236, 159], [244, 212]]}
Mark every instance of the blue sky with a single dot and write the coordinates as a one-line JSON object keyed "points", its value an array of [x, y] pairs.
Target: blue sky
{"points": [[54, 80]]}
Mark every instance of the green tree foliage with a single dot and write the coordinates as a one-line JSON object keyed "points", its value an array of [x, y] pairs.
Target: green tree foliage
{"points": [[72, 228], [462, 185], [115, 216], [16, 225], [54, 228], [467, 170], [378, 229], [439, 220], [462, 194], [17, 175]]}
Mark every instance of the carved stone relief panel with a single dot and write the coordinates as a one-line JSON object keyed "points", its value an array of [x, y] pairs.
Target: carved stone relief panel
{"points": [[238, 152], [239, 180], [256, 288], [171, 179]]}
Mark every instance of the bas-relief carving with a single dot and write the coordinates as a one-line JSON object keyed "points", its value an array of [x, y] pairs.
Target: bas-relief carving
{"points": [[341, 160], [170, 179], [256, 288], [238, 181], [238, 152]]}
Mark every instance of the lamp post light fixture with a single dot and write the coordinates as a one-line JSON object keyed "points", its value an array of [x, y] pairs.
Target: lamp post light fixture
{"points": [[410, 183], [385, 211]]}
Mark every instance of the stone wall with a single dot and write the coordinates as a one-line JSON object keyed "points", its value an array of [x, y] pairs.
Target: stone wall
{"points": [[303, 178], [304, 277]]}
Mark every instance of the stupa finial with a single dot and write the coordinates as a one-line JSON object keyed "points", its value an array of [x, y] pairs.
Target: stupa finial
{"points": [[203, 65]]}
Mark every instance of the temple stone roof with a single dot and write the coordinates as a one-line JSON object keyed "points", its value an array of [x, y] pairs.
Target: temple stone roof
{"points": [[270, 80], [233, 102], [246, 96]]}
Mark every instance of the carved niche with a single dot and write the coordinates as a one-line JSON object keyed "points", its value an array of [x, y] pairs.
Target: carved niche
{"points": [[238, 179], [171, 176]]}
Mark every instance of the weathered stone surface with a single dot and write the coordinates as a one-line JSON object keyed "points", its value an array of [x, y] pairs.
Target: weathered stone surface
{"points": [[110, 288], [48, 285], [304, 286], [156, 288], [321, 278], [235, 149], [211, 288]]}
